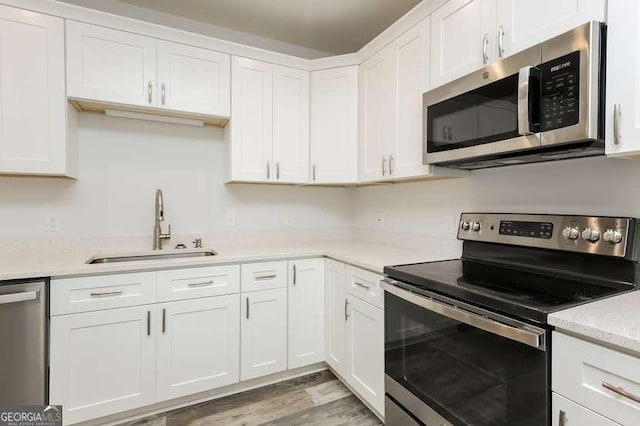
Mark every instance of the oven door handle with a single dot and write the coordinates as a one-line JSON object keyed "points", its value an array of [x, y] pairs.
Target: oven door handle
{"points": [[525, 334], [527, 85]]}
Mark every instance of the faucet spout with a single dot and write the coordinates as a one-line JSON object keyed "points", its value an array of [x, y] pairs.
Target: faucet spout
{"points": [[158, 236], [159, 205]]}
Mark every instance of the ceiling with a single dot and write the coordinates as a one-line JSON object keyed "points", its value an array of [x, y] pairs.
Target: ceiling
{"points": [[332, 26]]}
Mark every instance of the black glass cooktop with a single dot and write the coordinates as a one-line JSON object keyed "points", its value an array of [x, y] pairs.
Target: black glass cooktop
{"points": [[527, 295]]}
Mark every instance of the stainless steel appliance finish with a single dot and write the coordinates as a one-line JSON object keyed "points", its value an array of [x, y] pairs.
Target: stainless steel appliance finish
{"points": [[23, 352], [143, 257], [583, 234], [158, 236], [526, 137]]}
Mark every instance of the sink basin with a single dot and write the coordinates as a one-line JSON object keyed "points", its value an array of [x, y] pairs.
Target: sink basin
{"points": [[154, 256]]}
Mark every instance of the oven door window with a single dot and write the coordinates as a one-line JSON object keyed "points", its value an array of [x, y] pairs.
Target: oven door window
{"points": [[486, 114], [467, 375]]}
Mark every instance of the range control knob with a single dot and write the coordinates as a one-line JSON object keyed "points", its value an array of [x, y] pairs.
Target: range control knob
{"points": [[475, 226], [570, 233], [464, 225], [591, 234], [612, 236]]}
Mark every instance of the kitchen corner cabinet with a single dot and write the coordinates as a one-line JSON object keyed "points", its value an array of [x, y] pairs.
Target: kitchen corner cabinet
{"points": [[306, 312], [623, 80], [269, 130], [116, 67], [335, 315], [103, 362], [34, 113], [334, 125], [198, 345]]}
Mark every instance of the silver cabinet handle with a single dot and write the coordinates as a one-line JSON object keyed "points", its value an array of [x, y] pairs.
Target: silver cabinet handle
{"points": [[150, 91], [163, 92], [148, 323], [247, 307], [616, 123], [313, 172], [346, 310], [500, 41], [485, 48], [562, 421], [265, 277], [391, 159], [268, 170], [620, 391], [359, 284], [164, 320], [22, 296], [201, 284], [294, 274], [384, 168], [278, 170], [105, 293]]}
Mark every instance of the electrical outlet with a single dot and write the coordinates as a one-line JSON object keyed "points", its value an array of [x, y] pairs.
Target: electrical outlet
{"points": [[51, 224], [230, 221], [379, 219]]}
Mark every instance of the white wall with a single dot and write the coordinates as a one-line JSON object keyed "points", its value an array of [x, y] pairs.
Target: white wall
{"points": [[597, 186], [123, 161]]}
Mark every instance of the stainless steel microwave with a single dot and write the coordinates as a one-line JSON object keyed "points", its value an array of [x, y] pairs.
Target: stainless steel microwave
{"points": [[541, 104]]}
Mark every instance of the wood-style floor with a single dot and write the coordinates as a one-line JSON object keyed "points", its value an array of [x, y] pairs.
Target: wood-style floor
{"points": [[317, 399]]}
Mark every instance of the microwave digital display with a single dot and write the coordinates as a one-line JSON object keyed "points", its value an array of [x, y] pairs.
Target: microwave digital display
{"points": [[560, 92]]}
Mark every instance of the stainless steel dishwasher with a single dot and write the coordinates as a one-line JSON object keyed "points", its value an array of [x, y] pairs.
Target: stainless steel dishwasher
{"points": [[23, 342]]}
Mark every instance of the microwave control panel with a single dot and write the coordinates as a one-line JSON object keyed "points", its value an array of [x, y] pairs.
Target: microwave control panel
{"points": [[560, 95]]}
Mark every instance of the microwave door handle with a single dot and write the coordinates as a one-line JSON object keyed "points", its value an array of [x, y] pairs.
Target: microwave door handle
{"points": [[526, 126]]}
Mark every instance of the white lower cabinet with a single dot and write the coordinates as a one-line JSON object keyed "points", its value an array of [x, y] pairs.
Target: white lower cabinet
{"points": [[263, 333], [335, 315], [103, 362], [566, 412], [198, 345]]}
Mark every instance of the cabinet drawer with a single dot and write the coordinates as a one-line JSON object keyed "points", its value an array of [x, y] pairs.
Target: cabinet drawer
{"points": [[365, 285], [264, 275], [596, 377], [575, 414], [198, 282], [83, 294]]}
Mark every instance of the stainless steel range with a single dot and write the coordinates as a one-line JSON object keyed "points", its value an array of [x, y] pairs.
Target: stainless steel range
{"points": [[467, 341]]}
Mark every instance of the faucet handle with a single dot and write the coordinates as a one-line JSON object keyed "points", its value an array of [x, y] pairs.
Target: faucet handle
{"points": [[169, 230]]}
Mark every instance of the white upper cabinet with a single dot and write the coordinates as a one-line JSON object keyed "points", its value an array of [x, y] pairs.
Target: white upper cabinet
{"points": [[291, 125], [193, 80], [622, 120], [306, 312], [463, 34], [269, 130], [33, 107], [523, 23], [334, 125], [110, 66]]}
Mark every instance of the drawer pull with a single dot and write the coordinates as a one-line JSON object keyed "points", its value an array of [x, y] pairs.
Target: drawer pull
{"points": [[562, 421], [201, 284], [265, 277], [359, 284], [105, 293], [620, 391]]}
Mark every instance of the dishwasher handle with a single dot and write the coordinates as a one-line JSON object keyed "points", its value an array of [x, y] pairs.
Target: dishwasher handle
{"points": [[22, 296]]}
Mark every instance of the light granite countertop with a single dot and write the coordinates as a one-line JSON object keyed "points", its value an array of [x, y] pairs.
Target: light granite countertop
{"points": [[370, 256], [614, 321]]}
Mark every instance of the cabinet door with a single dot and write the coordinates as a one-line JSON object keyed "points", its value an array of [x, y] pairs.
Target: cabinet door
{"points": [[335, 315], [334, 125], [103, 362], [291, 125], [193, 80], [377, 80], [32, 95], [252, 120], [462, 38], [567, 412], [306, 312], [623, 79], [411, 57], [365, 351], [198, 345], [110, 66], [263, 333], [524, 23]]}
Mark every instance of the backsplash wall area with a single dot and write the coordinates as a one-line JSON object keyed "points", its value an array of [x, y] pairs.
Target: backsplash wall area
{"points": [[123, 161]]}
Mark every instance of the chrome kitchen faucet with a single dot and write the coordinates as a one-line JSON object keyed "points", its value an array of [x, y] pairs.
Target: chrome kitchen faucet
{"points": [[158, 236]]}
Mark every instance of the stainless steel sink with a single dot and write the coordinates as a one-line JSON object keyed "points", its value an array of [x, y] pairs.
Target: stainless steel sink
{"points": [[154, 256]]}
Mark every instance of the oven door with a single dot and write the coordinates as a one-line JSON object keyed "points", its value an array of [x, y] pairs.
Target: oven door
{"points": [[449, 364], [490, 111]]}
